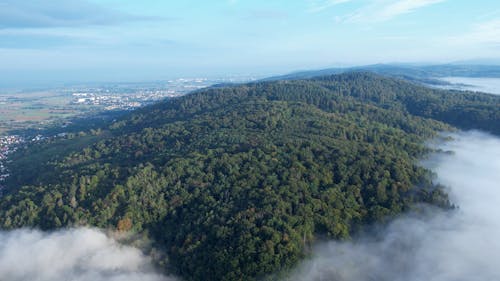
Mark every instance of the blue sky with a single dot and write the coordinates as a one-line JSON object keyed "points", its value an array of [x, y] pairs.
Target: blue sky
{"points": [[130, 40]]}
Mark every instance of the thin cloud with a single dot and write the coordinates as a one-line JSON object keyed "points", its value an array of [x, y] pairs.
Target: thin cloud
{"points": [[318, 5], [109, 36], [384, 10], [266, 15], [21, 41], [484, 33], [58, 13]]}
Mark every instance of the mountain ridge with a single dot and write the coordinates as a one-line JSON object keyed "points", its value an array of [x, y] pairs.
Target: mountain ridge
{"points": [[421, 74]]}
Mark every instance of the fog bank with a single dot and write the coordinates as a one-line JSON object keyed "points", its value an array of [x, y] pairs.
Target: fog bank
{"points": [[478, 84], [438, 246], [77, 255]]}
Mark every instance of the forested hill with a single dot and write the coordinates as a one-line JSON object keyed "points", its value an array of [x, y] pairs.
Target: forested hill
{"points": [[422, 74], [234, 183]]}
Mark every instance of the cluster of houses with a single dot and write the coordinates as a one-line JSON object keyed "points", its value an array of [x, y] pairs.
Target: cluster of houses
{"points": [[123, 101], [8, 144]]}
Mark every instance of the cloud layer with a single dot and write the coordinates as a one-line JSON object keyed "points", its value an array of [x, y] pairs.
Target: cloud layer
{"points": [[57, 13], [77, 255], [436, 245]]}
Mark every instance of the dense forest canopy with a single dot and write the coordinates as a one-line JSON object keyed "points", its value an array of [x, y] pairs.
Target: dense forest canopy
{"points": [[236, 182]]}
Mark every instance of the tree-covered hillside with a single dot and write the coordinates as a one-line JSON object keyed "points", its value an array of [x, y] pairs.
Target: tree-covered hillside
{"points": [[236, 182]]}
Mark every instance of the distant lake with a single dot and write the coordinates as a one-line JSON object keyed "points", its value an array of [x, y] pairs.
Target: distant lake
{"points": [[487, 85]]}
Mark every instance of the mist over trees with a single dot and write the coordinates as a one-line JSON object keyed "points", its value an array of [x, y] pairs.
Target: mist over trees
{"points": [[432, 244], [238, 182]]}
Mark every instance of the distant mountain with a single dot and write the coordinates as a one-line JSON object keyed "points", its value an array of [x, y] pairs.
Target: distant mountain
{"points": [[236, 182], [424, 74], [479, 61]]}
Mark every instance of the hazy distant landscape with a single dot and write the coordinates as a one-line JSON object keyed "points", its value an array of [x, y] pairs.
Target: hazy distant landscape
{"points": [[37, 108]]}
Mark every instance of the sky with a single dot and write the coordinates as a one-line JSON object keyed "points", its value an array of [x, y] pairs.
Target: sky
{"points": [[49, 41]]}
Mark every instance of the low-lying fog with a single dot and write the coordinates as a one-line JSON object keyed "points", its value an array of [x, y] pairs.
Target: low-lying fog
{"points": [[436, 246], [440, 246], [71, 255], [486, 85]]}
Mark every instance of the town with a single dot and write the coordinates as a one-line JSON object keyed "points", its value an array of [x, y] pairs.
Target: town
{"points": [[130, 96]]}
